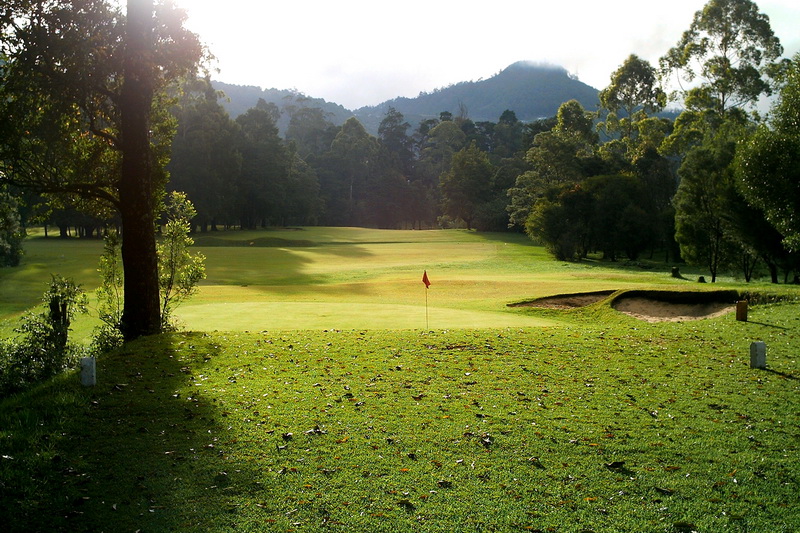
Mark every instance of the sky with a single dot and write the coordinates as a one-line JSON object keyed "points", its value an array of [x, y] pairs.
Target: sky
{"points": [[363, 52]]}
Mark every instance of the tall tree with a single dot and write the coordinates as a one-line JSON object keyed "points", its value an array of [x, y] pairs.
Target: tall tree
{"points": [[467, 185], [392, 135], [262, 180], [634, 93], [205, 159], [348, 170], [731, 50], [562, 156], [85, 116], [701, 202], [443, 140], [310, 130], [507, 136], [768, 165]]}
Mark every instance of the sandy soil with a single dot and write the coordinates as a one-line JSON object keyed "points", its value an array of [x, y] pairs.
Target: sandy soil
{"points": [[646, 309], [655, 311]]}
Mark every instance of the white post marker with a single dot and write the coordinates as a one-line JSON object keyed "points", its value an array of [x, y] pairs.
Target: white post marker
{"points": [[88, 374], [758, 354]]}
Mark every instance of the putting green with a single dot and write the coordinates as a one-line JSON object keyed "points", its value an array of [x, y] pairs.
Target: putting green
{"points": [[259, 316]]}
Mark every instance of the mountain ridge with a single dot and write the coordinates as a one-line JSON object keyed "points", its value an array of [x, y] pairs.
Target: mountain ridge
{"points": [[531, 90]]}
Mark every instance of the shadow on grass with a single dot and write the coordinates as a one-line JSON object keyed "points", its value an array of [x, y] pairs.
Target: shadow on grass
{"points": [[280, 266], [767, 325], [782, 374], [143, 450]]}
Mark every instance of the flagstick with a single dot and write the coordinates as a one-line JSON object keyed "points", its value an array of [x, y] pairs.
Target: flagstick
{"points": [[426, 308]]}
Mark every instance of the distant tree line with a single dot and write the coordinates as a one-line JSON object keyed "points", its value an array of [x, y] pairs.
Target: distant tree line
{"points": [[242, 173]]}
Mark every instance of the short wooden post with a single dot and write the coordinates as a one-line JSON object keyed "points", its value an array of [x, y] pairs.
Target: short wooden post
{"points": [[741, 310], [758, 354], [88, 374]]}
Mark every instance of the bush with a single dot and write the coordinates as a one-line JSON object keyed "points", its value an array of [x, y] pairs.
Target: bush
{"points": [[42, 351]]}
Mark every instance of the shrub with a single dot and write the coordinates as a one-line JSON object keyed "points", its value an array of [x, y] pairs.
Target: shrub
{"points": [[41, 350]]}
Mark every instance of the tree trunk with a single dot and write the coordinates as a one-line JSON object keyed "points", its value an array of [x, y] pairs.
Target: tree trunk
{"points": [[141, 313]]}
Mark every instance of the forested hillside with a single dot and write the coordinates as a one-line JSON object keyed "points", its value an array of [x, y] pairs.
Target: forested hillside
{"points": [[239, 98], [531, 91]]}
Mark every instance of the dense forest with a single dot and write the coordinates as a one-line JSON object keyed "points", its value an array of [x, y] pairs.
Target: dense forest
{"points": [[603, 174]]}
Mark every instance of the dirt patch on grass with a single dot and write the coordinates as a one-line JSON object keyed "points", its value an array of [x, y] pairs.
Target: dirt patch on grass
{"points": [[651, 306]]}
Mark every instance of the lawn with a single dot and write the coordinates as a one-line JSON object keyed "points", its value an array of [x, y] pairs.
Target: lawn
{"points": [[345, 278], [529, 420]]}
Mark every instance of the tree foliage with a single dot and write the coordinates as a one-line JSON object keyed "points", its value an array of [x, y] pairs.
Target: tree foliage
{"points": [[701, 201], [731, 50], [11, 231], [179, 270], [467, 185], [768, 165], [82, 113], [632, 96]]}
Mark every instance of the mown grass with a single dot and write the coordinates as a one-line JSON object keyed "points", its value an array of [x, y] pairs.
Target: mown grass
{"points": [[322, 403], [608, 424], [345, 278]]}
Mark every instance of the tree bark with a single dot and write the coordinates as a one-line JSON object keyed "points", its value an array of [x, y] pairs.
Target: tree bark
{"points": [[141, 312]]}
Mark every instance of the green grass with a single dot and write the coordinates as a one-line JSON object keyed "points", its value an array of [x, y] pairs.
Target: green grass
{"points": [[321, 278], [296, 416], [604, 425]]}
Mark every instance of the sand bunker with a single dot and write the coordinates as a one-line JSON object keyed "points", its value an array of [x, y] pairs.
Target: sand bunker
{"points": [[655, 311], [651, 306], [675, 306]]}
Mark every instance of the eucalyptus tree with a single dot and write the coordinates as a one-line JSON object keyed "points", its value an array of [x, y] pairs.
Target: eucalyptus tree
{"points": [[205, 160], [443, 141], [345, 172], [392, 133], [467, 185], [729, 56], [564, 155], [506, 136], [633, 93], [262, 180], [310, 130], [702, 201]]}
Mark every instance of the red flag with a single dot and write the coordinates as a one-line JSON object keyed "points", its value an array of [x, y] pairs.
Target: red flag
{"points": [[425, 279]]}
